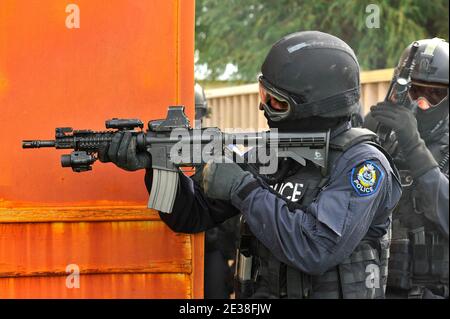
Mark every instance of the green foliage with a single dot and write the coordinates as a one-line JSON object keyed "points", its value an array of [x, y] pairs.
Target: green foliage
{"points": [[242, 31]]}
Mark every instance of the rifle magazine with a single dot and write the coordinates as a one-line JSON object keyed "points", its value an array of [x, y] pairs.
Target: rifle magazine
{"points": [[163, 191]]}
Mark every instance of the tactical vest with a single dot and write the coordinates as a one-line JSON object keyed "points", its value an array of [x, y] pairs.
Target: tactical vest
{"points": [[419, 251], [270, 278]]}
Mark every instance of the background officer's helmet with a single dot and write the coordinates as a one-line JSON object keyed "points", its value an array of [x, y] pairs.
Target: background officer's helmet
{"points": [[429, 89], [430, 75], [201, 105]]}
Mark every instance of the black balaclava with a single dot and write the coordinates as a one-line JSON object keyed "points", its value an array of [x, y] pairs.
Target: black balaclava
{"points": [[309, 124], [432, 122]]}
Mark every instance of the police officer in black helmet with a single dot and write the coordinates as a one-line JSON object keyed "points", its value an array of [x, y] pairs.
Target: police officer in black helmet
{"points": [[418, 266], [304, 233]]}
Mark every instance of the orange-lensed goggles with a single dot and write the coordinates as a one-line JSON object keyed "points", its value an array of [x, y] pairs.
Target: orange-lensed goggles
{"points": [[276, 103], [427, 95]]}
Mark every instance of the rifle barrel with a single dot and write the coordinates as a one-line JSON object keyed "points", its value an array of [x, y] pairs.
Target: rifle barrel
{"points": [[38, 143]]}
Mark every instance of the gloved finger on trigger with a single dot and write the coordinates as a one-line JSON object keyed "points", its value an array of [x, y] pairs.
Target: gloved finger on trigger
{"points": [[114, 147]]}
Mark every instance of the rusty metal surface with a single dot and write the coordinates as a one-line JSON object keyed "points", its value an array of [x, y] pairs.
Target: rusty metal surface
{"points": [[39, 249], [144, 257], [99, 286], [128, 59], [15, 214]]}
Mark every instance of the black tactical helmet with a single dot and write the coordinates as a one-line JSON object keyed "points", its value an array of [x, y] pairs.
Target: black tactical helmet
{"points": [[201, 104], [314, 74], [429, 89], [431, 61]]}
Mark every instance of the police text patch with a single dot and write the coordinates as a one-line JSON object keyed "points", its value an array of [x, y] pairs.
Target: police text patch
{"points": [[365, 178]]}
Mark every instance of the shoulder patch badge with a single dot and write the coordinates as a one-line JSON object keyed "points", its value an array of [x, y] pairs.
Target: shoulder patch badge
{"points": [[365, 178]]}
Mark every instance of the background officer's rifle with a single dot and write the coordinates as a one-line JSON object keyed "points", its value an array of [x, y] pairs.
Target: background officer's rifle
{"points": [[399, 88]]}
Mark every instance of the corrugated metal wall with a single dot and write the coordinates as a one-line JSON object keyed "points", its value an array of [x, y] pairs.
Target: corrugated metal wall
{"points": [[120, 252], [98, 222], [237, 107]]}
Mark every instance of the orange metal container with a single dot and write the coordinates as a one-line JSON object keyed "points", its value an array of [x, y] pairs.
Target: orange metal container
{"points": [[129, 59]]}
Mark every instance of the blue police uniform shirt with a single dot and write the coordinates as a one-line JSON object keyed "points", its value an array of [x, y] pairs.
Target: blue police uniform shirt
{"points": [[356, 203]]}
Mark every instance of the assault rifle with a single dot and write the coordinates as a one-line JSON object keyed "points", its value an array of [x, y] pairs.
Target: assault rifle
{"points": [[399, 88], [173, 144]]}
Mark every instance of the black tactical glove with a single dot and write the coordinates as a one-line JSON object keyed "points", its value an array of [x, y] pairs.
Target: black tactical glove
{"points": [[221, 180], [122, 152], [404, 123]]}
